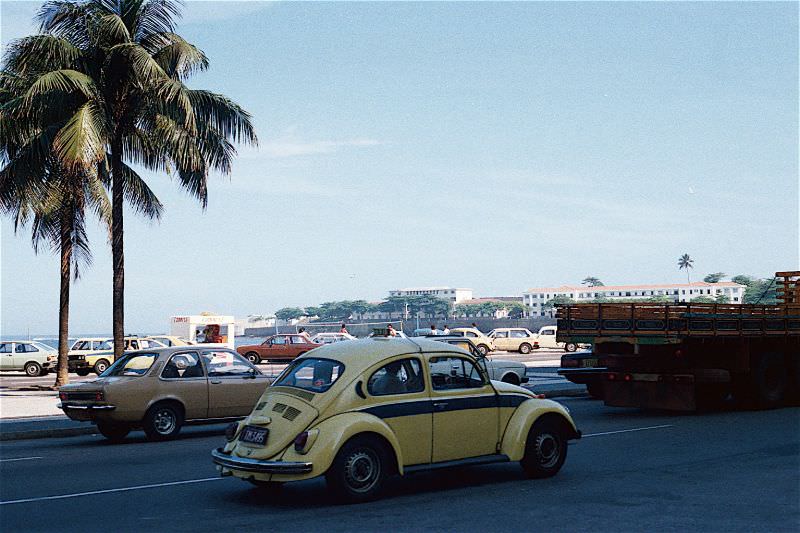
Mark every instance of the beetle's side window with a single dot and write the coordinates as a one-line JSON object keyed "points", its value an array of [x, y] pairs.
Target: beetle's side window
{"points": [[183, 365], [398, 377], [454, 373]]}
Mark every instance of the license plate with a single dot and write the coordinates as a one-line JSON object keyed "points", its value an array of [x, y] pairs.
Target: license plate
{"points": [[589, 363], [254, 435]]}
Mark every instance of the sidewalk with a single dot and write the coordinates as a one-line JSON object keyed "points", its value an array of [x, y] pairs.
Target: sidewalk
{"points": [[30, 412]]}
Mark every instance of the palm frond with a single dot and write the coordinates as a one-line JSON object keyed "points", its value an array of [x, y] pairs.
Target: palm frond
{"points": [[177, 57], [224, 115], [140, 196], [81, 142], [157, 16], [40, 53], [65, 80]]}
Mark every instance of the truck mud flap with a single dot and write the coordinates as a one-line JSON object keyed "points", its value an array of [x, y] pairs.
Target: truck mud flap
{"points": [[675, 393]]}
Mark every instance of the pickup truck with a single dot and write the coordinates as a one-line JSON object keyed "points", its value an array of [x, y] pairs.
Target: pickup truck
{"points": [[96, 354], [684, 355]]}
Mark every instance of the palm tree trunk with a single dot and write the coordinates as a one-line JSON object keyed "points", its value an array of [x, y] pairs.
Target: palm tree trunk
{"points": [[62, 372], [117, 251]]}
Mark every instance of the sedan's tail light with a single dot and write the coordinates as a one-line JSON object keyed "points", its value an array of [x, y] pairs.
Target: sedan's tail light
{"points": [[99, 396]]}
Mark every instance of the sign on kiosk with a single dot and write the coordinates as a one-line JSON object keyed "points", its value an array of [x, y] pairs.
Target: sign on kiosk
{"points": [[216, 330]]}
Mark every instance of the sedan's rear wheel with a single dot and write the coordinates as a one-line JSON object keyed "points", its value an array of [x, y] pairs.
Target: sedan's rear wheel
{"points": [[359, 470], [524, 348], [253, 357], [545, 449], [33, 369], [483, 349], [163, 421], [112, 431]]}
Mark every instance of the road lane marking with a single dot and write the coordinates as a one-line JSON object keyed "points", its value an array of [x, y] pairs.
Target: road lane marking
{"points": [[20, 459], [106, 491], [626, 430]]}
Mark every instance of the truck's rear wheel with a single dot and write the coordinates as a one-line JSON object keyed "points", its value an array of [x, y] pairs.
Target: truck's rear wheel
{"points": [[595, 390], [765, 386], [571, 347], [82, 371]]}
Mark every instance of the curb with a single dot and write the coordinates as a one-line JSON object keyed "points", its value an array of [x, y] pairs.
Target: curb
{"points": [[47, 433]]}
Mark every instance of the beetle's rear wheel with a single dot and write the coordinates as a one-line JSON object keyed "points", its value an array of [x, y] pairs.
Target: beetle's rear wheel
{"points": [[359, 470], [545, 449]]}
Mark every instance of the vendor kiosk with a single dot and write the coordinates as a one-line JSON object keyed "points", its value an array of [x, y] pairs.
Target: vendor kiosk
{"points": [[215, 330]]}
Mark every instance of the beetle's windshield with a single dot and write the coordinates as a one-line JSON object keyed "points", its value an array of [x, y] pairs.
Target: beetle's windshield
{"points": [[314, 375], [136, 364]]}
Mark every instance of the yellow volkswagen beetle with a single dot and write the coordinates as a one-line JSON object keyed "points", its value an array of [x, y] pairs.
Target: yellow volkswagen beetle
{"points": [[360, 411]]}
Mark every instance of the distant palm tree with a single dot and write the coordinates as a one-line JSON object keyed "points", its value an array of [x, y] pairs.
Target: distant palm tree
{"points": [[686, 262], [117, 70], [592, 282]]}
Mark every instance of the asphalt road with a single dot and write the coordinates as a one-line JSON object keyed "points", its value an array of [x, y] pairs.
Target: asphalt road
{"points": [[632, 471]]}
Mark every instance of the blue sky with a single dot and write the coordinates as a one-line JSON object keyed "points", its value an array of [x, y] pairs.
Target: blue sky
{"points": [[497, 146]]}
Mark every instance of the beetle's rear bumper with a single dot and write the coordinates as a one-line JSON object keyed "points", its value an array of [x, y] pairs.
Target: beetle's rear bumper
{"points": [[257, 466]]}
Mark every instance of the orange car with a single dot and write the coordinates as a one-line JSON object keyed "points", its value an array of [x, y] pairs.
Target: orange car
{"points": [[284, 347]]}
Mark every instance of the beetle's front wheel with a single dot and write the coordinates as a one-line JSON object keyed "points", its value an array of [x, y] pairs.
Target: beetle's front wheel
{"points": [[359, 470], [545, 450]]}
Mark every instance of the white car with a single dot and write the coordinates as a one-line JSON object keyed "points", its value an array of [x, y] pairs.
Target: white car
{"points": [[330, 338], [498, 369], [35, 358], [547, 339]]}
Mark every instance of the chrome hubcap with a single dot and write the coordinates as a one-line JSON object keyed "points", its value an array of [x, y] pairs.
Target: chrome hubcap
{"points": [[164, 421], [362, 470], [547, 450]]}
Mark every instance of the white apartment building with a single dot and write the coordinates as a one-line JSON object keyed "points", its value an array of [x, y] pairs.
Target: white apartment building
{"points": [[535, 299], [446, 293]]}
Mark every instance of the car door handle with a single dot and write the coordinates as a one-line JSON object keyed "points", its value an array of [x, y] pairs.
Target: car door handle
{"points": [[216, 381], [439, 406]]}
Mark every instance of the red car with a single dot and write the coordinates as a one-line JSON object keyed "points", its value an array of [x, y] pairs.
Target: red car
{"points": [[284, 347]]}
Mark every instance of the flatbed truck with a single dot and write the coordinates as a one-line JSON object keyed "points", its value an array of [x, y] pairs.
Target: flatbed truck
{"points": [[684, 355]]}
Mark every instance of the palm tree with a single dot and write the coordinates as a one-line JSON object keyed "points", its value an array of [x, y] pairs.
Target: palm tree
{"points": [[117, 68], [35, 187], [686, 262], [592, 282]]}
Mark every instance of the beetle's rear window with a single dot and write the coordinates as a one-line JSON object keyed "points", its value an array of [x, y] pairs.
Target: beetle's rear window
{"points": [[311, 374]]}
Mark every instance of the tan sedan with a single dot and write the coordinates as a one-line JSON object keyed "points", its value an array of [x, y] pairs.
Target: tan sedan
{"points": [[159, 390]]}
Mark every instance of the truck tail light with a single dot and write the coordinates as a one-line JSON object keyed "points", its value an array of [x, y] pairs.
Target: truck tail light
{"points": [[628, 377], [611, 376], [679, 353], [62, 396]]}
